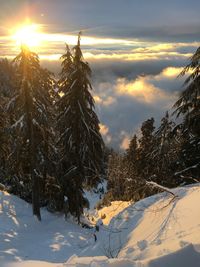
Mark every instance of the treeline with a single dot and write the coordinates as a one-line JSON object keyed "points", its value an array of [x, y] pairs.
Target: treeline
{"points": [[168, 155], [51, 147]]}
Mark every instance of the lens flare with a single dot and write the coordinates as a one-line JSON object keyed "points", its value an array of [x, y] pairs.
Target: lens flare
{"points": [[28, 34]]}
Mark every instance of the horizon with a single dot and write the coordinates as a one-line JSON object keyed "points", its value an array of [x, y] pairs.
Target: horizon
{"points": [[134, 61]]}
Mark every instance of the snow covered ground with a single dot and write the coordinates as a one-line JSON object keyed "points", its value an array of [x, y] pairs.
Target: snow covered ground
{"points": [[154, 232]]}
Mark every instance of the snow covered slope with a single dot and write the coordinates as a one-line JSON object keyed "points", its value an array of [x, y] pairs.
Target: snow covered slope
{"points": [[22, 237], [156, 232]]}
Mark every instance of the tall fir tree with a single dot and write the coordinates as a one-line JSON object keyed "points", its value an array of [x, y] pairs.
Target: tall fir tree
{"points": [[29, 107], [165, 153], [132, 160], [188, 108], [146, 145], [132, 151], [3, 140], [80, 139], [7, 78], [7, 86]]}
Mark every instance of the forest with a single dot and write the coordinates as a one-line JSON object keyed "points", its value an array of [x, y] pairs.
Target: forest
{"points": [[52, 149]]}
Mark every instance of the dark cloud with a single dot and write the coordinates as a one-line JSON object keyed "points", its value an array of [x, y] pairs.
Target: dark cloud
{"points": [[108, 70], [178, 20], [167, 33]]}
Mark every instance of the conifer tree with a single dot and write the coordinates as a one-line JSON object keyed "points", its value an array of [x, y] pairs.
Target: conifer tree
{"points": [[188, 104], [29, 107], [188, 107], [7, 77], [131, 159], [3, 141], [132, 150], [80, 139], [165, 153], [146, 144], [118, 176]]}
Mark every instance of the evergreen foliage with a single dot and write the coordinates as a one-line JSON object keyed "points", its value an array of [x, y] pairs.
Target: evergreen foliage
{"points": [[81, 144], [165, 154], [30, 128], [7, 86], [146, 145], [188, 107]]}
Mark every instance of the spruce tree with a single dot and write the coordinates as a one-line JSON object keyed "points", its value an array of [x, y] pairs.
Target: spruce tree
{"points": [[7, 78], [188, 103], [30, 115], [131, 159], [131, 152], [188, 108], [118, 176], [3, 140], [80, 140], [165, 154], [7, 86], [146, 145]]}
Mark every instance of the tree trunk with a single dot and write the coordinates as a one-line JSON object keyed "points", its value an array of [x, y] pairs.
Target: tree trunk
{"points": [[32, 153], [35, 195], [34, 177]]}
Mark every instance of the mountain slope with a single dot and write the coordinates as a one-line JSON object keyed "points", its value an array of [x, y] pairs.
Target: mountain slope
{"points": [[158, 231]]}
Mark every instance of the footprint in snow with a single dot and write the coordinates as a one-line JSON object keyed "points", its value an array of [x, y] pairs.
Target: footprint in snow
{"points": [[142, 244], [129, 250]]}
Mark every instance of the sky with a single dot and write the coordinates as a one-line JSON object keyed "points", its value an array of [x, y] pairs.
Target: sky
{"points": [[136, 49]]}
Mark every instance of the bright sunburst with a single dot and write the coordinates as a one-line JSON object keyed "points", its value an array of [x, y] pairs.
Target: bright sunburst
{"points": [[28, 34]]}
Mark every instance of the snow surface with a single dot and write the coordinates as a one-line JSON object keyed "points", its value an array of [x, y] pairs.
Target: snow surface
{"points": [[155, 232]]}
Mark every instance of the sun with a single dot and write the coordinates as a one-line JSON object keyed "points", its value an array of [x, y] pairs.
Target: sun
{"points": [[28, 34]]}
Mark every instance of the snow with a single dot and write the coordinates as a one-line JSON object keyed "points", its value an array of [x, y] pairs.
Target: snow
{"points": [[158, 231], [23, 238], [107, 213], [18, 122]]}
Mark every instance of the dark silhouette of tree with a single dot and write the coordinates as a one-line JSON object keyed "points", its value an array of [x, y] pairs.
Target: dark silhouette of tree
{"points": [[165, 154], [188, 104], [30, 110], [146, 144], [7, 77], [188, 108], [81, 144]]}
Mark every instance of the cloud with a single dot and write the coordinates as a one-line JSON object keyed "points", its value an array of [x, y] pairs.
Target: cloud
{"points": [[136, 56], [142, 90], [125, 140], [128, 92], [142, 51], [104, 100], [104, 130], [136, 100], [170, 72]]}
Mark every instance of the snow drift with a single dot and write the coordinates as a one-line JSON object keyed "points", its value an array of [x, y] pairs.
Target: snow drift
{"points": [[155, 232]]}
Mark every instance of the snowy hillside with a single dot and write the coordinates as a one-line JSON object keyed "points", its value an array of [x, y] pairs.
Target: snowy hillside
{"points": [[159, 231]]}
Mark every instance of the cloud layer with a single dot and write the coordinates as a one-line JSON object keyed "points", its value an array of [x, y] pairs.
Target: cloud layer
{"points": [[123, 103], [136, 49]]}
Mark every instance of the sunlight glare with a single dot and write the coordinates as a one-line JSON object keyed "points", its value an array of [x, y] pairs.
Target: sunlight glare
{"points": [[28, 34]]}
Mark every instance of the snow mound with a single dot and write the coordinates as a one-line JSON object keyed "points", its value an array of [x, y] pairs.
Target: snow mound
{"points": [[158, 231], [160, 225], [187, 256]]}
